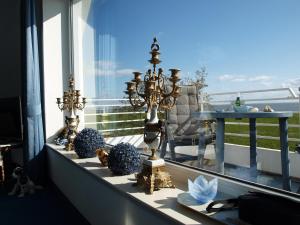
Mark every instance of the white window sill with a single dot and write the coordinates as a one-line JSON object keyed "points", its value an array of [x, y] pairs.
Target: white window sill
{"points": [[163, 202]]}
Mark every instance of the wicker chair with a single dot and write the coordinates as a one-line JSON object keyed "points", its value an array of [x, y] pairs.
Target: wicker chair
{"points": [[181, 128]]}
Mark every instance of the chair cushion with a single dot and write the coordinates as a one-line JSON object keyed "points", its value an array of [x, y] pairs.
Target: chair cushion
{"points": [[179, 117]]}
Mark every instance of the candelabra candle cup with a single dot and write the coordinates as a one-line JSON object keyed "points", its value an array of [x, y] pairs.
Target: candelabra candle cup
{"points": [[77, 92], [151, 85], [137, 76], [175, 73], [83, 100], [130, 86], [58, 100]]}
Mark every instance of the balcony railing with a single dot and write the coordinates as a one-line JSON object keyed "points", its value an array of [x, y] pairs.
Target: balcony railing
{"points": [[115, 117]]}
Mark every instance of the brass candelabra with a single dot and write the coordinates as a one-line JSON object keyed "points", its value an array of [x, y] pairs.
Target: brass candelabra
{"points": [[155, 91], [72, 101]]}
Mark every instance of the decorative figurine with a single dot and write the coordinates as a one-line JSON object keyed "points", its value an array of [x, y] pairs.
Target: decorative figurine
{"points": [[23, 183], [268, 108], [203, 190], [102, 156]]}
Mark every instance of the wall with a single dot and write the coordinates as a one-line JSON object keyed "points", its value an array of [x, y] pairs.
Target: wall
{"points": [[10, 46], [56, 60], [268, 160]]}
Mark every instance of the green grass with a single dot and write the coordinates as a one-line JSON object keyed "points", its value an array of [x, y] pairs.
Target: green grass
{"points": [[110, 118], [262, 130]]}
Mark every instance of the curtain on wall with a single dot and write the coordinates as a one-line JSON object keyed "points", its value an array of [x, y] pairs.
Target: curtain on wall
{"points": [[34, 159]]}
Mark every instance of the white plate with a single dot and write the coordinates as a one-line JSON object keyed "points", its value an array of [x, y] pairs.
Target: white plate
{"points": [[187, 200]]}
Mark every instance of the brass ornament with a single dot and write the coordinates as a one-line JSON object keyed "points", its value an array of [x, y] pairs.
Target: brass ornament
{"points": [[156, 91], [71, 102], [154, 178], [102, 156]]}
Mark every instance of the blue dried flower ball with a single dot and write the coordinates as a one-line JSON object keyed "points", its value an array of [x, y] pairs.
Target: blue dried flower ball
{"points": [[124, 159], [87, 141]]}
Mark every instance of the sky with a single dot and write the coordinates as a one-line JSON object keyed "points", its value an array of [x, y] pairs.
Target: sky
{"points": [[243, 44]]}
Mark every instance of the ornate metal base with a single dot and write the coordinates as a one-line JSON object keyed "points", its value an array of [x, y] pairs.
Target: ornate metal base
{"points": [[153, 178], [72, 125]]}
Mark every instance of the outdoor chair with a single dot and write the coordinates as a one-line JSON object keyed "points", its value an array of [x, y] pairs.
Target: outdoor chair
{"points": [[181, 129]]}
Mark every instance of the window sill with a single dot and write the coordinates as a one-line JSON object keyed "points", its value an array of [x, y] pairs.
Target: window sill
{"points": [[101, 197]]}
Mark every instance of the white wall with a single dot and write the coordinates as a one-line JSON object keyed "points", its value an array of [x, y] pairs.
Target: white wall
{"points": [[268, 160], [56, 60]]}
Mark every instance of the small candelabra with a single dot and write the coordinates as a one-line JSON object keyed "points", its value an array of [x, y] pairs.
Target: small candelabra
{"points": [[71, 102], [156, 91]]}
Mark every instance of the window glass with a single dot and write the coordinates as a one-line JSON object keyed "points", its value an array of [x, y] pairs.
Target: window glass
{"points": [[245, 50]]}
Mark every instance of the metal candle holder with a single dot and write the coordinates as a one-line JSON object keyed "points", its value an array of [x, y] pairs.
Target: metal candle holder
{"points": [[72, 101], [156, 91]]}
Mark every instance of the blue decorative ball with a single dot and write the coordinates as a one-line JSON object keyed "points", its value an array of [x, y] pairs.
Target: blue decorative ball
{"points": [[124, 159], [86, 143]]}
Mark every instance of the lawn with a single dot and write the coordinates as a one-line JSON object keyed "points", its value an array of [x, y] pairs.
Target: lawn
{"points": [[262, 130]]}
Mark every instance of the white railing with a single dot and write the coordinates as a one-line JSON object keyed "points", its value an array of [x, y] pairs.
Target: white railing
{"points": [[279, 95], [275, 92], [101, 107]]}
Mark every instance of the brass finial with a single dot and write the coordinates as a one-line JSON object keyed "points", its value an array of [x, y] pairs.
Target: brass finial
{"points": [[155, 54], [71, 82], [155, 45]]}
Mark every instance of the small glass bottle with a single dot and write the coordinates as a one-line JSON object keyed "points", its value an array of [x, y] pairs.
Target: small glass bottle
{"points": [[238, 100]]}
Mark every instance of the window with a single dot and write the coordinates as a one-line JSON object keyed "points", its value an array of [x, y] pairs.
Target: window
{"points": [[249, 48]]}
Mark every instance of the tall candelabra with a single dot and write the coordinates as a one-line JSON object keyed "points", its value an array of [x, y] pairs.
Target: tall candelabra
{"points": [[155, 91], [72, 101]]}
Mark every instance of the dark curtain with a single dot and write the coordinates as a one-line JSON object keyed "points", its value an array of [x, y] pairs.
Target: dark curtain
{"points": [[34, 140]]}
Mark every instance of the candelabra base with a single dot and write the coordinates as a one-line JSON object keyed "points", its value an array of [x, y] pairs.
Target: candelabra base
{"points": [[154, 176]]}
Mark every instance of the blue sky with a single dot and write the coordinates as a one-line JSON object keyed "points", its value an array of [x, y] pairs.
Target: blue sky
{"points": [[244, 44]]}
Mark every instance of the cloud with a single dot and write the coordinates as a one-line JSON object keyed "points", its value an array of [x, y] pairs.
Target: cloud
{"points": [[292, 83], [109, 72], [105, 64], [234, 78], [107, 68], [262, 79]]}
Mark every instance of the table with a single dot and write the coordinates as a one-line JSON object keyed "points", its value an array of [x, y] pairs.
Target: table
{"points": [[252, 116]]}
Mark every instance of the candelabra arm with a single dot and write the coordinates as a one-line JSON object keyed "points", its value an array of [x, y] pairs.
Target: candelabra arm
{"points": [[136, 103]]}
